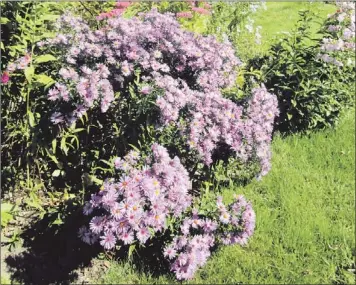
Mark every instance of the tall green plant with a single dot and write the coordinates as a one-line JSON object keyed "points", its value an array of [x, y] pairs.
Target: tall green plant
{"points": [[311, 92]]}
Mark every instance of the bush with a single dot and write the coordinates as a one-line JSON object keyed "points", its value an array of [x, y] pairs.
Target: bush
{"points": [[152, 200], [172, 85], [131, 83], [311, 92]]}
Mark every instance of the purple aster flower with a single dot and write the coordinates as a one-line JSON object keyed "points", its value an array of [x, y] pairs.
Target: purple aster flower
{"points": [[127, 237], [142, 235], [57, 118], [97, 224], [108, 240], [169, 252]]}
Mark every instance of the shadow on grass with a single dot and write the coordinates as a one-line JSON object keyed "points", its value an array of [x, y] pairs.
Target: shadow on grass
{"points": [[52, 253], [55, 255]]}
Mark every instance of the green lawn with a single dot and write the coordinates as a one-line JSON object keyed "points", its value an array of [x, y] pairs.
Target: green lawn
{"points": [[282, 16], [278, 18]]}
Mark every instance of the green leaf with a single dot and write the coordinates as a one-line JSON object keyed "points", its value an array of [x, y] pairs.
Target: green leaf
{"points": [[44, 79], [64, 145], [96, 180], [77, 130], [4, 20], [31, 119], [54, 145], [131, 250], [6, 207], [6, 216], [52, 157], [58, 221], [29, 72], [44, 58], [56, 173], [49, 17]]}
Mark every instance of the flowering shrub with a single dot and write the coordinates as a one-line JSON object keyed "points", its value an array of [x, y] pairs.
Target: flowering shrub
{"points": [[135, 47], [339, 44], [137, 207], [182, 72], [226, 225], [143, 79]]}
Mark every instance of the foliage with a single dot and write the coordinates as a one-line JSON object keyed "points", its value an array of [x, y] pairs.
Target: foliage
{"points": [[233, 20], [29, 148], [311, 92], [7, 213]]}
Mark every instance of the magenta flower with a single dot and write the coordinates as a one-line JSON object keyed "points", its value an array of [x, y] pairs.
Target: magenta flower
{"points": [[186, 14], [201, 11], [5, 77]]}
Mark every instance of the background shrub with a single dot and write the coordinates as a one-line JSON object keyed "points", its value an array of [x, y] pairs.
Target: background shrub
{"points": [[311, 92]]}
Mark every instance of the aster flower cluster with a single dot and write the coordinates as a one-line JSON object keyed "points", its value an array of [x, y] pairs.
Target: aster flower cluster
{"points": [[98, 62], [262, 111], [232, 224], [214, 120], [186, 71], [340, 28], [138, 206]]}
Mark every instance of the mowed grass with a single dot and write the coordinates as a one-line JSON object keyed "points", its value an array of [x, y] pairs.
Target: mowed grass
{"points": [[305, 211], [280, 17]]}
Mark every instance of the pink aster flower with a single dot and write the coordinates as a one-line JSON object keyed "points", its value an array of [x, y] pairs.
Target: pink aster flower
{"points": [[108, 241], [127, 237], [96, 224], [143, 235], [225, 217], [146, 90], [170, 252]]}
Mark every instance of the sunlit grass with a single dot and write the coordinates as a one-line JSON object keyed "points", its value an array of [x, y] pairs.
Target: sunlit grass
{"points": [[279, 18]]}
